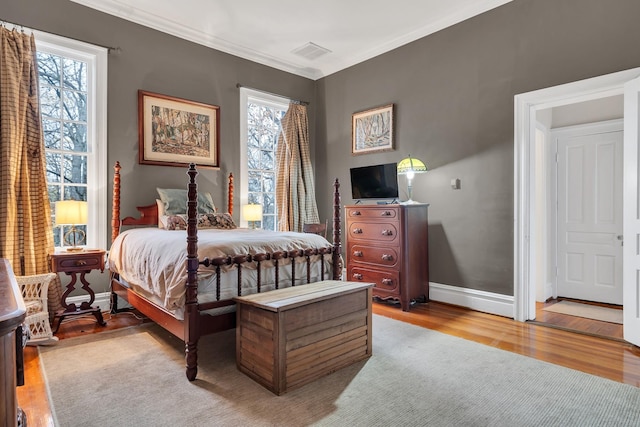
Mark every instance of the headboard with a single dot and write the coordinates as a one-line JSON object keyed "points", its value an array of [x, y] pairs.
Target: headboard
{"points": [[149, 213]]}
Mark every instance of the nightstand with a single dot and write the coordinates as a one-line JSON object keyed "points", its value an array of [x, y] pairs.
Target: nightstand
{"points": [[73, 263]]}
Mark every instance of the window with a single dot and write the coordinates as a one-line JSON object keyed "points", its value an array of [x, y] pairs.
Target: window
{"points": [[73, 86], [260, 116]]}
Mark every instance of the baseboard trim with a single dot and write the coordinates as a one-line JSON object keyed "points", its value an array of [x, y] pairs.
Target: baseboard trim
{"points": [[488, 302], [102, 300]]}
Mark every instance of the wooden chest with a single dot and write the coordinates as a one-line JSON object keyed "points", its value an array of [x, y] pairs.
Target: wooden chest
{"points": [[289, 337]]}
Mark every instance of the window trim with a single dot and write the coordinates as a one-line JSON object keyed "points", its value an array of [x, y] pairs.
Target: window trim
{"points": [[246, 96], [96, 58]]}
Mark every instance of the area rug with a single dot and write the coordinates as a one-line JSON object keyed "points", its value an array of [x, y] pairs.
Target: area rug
{"points": [[588, 311], [416, 377]]}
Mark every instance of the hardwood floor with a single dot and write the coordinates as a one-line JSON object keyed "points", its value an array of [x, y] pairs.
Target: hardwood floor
{"points": [[612, 359], [573, 323]]}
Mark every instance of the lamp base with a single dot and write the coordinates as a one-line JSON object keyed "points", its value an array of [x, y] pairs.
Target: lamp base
{"points": [[410, 202]]}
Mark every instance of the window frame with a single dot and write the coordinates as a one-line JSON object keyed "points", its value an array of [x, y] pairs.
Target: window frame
{"points": [[246, 96], [96, 59]]}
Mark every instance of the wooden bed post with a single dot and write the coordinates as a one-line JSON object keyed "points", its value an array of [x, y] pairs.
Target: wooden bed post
{"points": [[230, 195], [337, 247], [115, 206], [191, 333]]}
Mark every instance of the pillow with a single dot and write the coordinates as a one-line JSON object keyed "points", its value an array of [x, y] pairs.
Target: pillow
{"points": [[212, 220], [175, 201]]}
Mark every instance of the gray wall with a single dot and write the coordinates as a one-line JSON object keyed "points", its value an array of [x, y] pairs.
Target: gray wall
{"points": [[157, 62], [453, 93]]}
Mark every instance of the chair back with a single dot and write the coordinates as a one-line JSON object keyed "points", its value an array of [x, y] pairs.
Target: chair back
{"points": [[318, 228]]}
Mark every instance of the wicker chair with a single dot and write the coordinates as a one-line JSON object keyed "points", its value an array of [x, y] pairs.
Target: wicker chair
{"points": [[35, 293]]}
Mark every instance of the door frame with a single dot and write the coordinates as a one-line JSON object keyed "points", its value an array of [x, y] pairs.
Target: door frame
{"points": [[526, 106]]}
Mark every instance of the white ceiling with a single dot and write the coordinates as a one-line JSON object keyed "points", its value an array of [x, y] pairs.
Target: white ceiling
{"points": [[268, 31]]}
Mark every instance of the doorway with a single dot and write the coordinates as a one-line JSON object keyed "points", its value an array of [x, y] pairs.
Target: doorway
{"points": [[579, 215], [526, 234]]}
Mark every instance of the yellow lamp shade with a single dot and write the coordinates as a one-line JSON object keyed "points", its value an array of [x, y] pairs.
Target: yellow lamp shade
{"points": [[71, 212], [252, 212]]}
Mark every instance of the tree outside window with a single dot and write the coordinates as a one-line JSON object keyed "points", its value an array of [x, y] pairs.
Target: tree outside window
{"points": [[263, 128]]}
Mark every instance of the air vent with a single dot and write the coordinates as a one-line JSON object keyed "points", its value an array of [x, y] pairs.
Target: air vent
{"points": [[310, 51]]}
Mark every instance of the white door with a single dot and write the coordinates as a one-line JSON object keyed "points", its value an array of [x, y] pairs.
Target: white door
{"points": [[589, 220], [631, 252]]}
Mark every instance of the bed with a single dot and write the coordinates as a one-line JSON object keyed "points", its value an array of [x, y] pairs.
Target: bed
{"points": [[188, 289]]}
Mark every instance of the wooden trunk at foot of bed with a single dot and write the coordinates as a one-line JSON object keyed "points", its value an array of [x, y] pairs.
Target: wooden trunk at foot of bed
{"points": [[196, 323]]}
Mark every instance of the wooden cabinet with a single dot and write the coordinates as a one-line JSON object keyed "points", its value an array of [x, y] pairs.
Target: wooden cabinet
{"points": [[12, 313], [388, 245]]}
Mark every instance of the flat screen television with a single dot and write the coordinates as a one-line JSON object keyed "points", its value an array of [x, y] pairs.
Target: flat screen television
{"points": [[375, 182]]}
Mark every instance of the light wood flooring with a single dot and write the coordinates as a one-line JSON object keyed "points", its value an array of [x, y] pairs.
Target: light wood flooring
{"points": [[586, 352]]}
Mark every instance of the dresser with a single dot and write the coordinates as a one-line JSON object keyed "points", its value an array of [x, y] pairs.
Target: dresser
{"points": [[388, 246]]}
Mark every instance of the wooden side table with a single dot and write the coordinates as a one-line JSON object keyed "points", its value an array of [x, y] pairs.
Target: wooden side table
{"points": [[73, 263]]}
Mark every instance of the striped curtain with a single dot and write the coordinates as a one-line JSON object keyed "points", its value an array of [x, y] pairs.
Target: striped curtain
{"points": [[26, 235], [295, 190]]}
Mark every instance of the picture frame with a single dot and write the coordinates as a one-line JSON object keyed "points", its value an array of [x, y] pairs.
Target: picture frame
{"points": [[372, 130], [176, 132]]}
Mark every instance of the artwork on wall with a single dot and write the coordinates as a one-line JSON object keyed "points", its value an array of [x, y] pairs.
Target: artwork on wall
{"points": [[372, 130], [176, 132]]}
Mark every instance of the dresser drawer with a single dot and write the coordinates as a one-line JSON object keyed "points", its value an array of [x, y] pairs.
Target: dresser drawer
{"points": [[372, 212], [387, 281], [374, 232], [77, 262], [383, 256]]}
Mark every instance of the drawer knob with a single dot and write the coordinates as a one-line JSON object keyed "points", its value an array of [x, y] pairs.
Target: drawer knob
{"points": [[356, 213], [357, 276], [357, 253], [387, 281], [387, 257], [81, 262], [387, 232], [357, 231], [386, 213]]}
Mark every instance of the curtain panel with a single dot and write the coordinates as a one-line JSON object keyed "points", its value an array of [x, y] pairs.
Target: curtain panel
{"points": [[26, 235], [295, 189]]}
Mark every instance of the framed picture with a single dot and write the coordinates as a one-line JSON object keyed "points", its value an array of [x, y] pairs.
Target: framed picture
{"points": [[176, 132], [372, 130]]}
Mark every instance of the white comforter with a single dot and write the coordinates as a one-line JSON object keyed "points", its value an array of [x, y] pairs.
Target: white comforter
{"points": [[153, 261]]}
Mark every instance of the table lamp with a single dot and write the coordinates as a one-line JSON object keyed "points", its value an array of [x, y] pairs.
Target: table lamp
{"points": [[410, 166], [252, 213], [72, 212]]}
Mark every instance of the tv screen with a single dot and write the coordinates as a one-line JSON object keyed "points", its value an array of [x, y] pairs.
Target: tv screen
{"points": [[375, 182]]}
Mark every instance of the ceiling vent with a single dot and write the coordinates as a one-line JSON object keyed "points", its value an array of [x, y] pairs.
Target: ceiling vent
{"points": [[310, 51]]}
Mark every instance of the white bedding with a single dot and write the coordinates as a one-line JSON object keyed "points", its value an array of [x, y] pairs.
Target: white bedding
{"points": [[153, 261]]}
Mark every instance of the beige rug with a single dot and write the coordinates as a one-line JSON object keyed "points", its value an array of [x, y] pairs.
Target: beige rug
{"points": [[416, 377], [587, 311]]}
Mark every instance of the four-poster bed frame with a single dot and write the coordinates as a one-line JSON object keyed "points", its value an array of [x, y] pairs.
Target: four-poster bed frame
{"points": [[197, 322]]}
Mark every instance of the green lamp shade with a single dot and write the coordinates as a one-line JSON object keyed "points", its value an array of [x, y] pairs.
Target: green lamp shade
{"points": [[411, 164]]}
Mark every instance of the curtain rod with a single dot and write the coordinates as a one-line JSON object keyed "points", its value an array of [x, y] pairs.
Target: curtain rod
{"points": [[295, 101], [111, 49]]}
